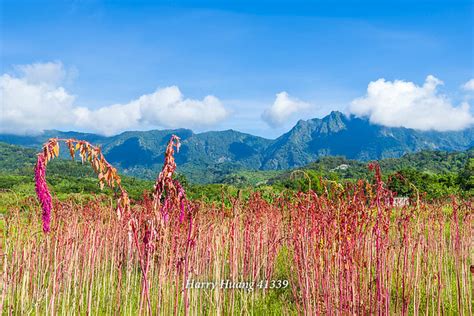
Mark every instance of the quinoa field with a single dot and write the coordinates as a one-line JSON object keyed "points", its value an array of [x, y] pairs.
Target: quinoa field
{"points": [[348, 251]]}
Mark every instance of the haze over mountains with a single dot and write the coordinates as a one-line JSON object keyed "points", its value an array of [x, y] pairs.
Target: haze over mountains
{"points": [[140, 153]]}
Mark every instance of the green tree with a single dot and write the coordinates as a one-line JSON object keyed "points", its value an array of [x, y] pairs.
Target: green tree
{"points": [[466, 176]]}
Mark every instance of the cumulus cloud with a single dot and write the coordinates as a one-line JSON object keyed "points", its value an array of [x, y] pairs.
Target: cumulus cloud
{"points": [[50, 73], [28, 108], [164, 108], [34, 100], [469, 86], [174, 110], [402, 103], [283, 108]]}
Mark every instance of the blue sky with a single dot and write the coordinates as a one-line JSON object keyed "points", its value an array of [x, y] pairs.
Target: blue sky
{"points": [[322, 54]]}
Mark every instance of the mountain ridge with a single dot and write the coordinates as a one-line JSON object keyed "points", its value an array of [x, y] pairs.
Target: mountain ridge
{"points": [[140, 153]]}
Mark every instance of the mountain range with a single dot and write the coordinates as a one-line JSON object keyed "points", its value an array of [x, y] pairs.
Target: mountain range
{"points": [[204, 156]]}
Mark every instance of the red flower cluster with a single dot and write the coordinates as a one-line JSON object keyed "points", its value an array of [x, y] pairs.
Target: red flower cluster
{"points": [[43, 192]]}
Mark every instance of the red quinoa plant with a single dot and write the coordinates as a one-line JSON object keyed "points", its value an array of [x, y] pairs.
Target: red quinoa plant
{"points": [[349, 250], [169, 199], [106, 173]]}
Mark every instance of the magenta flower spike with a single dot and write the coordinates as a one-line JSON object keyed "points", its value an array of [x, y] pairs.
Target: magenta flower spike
{"points": [[42, 191]]}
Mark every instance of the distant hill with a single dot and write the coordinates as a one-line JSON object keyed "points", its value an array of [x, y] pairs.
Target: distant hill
{"points": [[19, 161], [430, 162], [355, 138], [435, 174], [206, 157]]}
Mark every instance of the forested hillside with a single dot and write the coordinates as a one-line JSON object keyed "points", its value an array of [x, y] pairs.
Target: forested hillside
{"points": [[208, 157], [438, 173]]}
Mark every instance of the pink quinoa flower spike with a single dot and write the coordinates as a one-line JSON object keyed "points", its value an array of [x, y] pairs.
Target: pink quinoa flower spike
{"points": [[43, 193]]}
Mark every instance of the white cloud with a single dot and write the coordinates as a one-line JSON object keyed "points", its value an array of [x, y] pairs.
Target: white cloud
{"points": [[50, 73], [108, 120], [283, 108], [164, 108], [402, 103], [30, 108], [167, 107], [34, 101], [469, 86]]}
